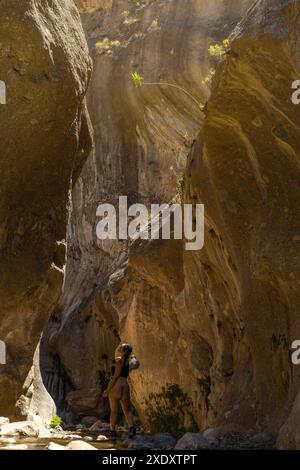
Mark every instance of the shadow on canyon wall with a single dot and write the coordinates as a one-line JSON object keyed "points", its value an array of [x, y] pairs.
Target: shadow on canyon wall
{"points": [[214, 326]]}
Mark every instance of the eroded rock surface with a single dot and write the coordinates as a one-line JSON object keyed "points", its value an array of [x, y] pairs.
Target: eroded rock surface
{"points": [[218, 323], [142, 140], [236, 317], [44, 139]]}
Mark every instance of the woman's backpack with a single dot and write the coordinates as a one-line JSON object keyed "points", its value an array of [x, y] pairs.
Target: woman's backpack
{"points": [[134, 363]]}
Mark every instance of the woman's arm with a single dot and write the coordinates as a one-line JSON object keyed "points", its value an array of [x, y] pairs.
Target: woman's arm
{"points": [[118, 368]]}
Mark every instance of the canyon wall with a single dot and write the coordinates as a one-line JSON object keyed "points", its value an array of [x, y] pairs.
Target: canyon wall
{"points": [[142, 141], [45, 138], [212, 328]]}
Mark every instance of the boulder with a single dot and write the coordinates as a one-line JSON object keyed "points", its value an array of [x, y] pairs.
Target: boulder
{"points": [[37, 420], [139, 443], [54, 446], [7, 440], [221, 431], [99, 426], [88, 421], [3, 420], [15, 447], [102, 438], [79, 445], [23, 428], [263, 441], [87, 401], [196, 441], [164, 440]]}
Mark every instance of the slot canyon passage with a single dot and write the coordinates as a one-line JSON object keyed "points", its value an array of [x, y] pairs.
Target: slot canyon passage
{"points": [[212, 328]]}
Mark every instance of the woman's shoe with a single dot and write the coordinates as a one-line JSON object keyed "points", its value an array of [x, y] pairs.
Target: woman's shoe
{"points": [[131, 432], [112, 435]]}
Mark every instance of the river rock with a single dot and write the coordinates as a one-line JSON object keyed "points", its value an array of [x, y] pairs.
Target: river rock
{"points": [[196, 441], [7, 440], [54, 446], [164, 440], [3, 421], [15, 447], [23, 428], [99, 426], [263, 441], [221, 431], [72, 436], [37, 420], [139, 443], [79, 445], [102, 438]]}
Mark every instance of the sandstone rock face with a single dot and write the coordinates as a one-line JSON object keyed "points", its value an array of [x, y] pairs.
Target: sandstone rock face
{"points": [[44, 139], [142, 140], [237, 314], [91, 5], [87, 402], [244, 168], [212, 329]]}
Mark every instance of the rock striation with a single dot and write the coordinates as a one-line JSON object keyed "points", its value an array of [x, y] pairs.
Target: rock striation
{"points": [[212, 329], [44, 140]]}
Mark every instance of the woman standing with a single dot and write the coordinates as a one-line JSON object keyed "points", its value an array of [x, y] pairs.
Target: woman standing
{"points": [[118, 391]]}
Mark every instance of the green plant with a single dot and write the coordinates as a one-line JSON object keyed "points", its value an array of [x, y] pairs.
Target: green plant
{"points": [[139, 81], [169, 410], [218, 50], [55, 422], [137, 78]]}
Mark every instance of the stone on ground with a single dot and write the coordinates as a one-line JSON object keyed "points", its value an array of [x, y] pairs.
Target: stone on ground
{"points": [[164, 440], [23, 428], [196, 441], [79, 445]]}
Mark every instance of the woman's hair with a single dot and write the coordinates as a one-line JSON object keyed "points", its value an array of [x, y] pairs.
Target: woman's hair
{"points": [[126, 347]]}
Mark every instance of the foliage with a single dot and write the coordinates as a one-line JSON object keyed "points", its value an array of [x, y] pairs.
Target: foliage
{"points": [[106, 45], [55, 422], [137, 78], [167, 411], [218, 50]]}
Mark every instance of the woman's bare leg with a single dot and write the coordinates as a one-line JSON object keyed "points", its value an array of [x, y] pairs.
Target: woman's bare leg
{"points": [[127, 412], [113, 403]]}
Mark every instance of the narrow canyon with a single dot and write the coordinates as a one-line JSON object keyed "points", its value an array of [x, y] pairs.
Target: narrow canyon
{"points": [[213, 123]]}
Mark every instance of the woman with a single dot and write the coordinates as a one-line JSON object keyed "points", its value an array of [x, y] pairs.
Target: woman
{"points": [[118, 391]]}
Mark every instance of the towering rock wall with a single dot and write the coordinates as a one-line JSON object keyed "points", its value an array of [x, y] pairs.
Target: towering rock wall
{"points": [[224, 329], [216, 325], [44, 139], [142, 140]]}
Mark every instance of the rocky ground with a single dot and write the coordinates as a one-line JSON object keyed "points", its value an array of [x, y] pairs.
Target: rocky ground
{"points": [[34, 434]]}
